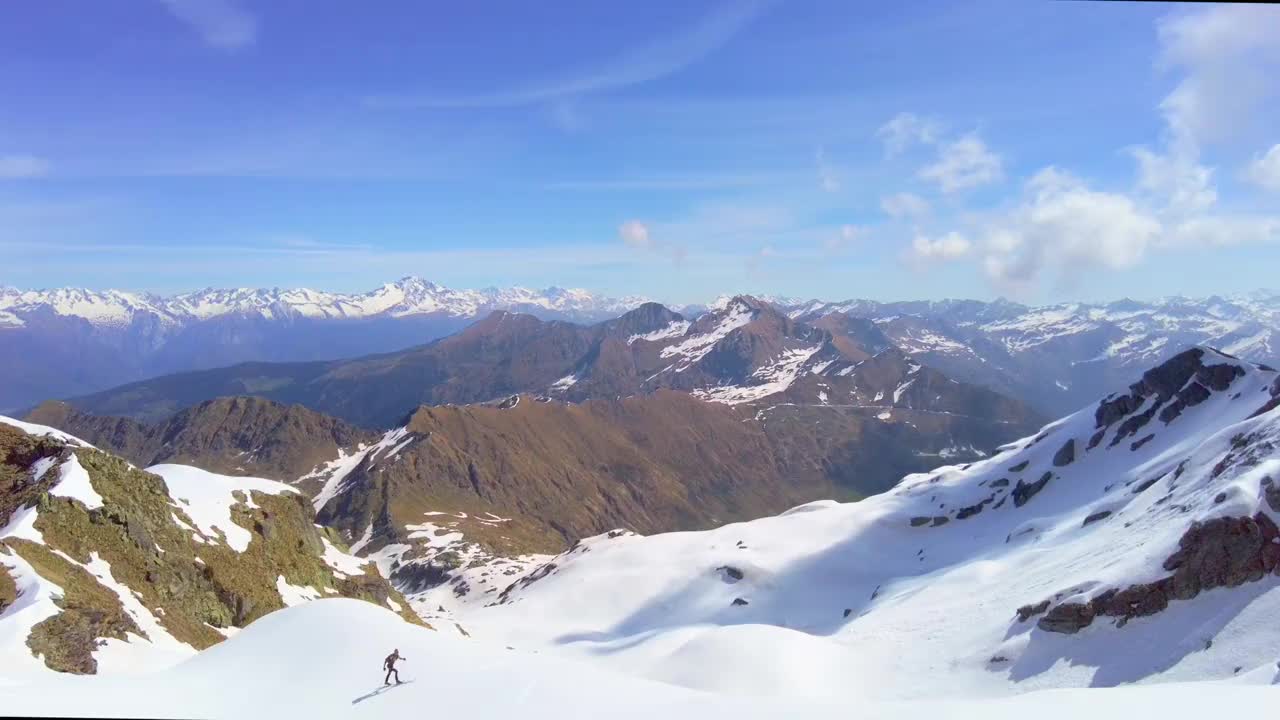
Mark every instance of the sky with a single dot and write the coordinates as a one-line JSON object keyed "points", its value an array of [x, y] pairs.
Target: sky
{"points": [[1040, 151]]}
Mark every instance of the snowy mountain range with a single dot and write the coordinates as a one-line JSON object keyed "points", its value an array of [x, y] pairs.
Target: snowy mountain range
{"points": [[405, 297], [71, 341], [1060, 357], [1133, 542]]}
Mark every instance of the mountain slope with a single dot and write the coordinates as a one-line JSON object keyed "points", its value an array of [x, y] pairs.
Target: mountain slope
{"points": [[71, 341], [108, 568], [1133, 541], [318, 661], [741, 353], [1058, 358]]}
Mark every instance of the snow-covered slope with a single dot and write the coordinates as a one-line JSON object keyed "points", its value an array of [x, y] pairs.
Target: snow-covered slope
{"points": [[1133, 541], [106, 569], [321, 661]]}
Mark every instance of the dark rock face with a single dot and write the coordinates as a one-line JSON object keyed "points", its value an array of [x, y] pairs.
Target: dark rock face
{"points": [[737, 602], [1095, 517], [1097, 438], [416, 577], [1067, 618], [1019, 467], [940, 520], [1004, 482], [919, 520], [1223, 552], [1066, 454], [1026, 612], [1191, 395], [1023, 492], [1139, 443], [1183, 381]]}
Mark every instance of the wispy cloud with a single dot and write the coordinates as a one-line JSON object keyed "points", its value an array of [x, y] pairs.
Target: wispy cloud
{"points": [[904, 205], [14, 167], [1265, 170], [962, 164], [906, 129], [662, 57], [635, 234], [220, 23], [828, 179]]}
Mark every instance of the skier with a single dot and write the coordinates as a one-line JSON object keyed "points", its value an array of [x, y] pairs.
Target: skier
{"points": [[390, 666]]}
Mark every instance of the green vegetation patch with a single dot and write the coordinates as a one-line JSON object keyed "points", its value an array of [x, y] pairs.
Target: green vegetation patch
{"points": [[8, 589], [90, 611]]}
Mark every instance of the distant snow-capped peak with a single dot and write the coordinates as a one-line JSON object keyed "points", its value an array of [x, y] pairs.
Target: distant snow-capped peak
{"points": [[404, 297]]}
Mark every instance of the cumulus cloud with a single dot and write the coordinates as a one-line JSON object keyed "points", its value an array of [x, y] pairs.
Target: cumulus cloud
{"points": [[904, 205], [962, 164], [635, 234], [22, 166], [220, 23], [907, 129], [951, 246], [1229, 57], [1265, 171], [1176, 178], [1065, 225]]}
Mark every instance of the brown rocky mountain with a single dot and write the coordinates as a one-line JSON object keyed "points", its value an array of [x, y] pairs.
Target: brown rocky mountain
{"points": [[533, 474], [745, 351], [236, 436]]}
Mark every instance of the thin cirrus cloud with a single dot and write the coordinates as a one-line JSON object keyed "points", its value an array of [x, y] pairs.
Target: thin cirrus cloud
{"points": [[659, 58], [220, 23]]}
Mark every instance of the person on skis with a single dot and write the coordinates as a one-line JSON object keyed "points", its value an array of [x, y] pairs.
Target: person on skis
{"points": [[390, 666]]}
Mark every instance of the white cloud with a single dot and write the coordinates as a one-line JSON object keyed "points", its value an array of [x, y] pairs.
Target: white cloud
{"points": [[22, 166], [827, 177], [951, 246], [221, 23], [1176, 179], [962, 164], [1265, 171], [1230, 57], [1221, 230], [904, 205], [1066, 226], [907, 129], [635, 234]]}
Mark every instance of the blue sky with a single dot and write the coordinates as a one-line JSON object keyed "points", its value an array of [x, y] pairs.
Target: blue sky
{"points": [[1040, 151]]}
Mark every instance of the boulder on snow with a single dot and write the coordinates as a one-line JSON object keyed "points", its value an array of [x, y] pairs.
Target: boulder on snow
{"points": [[1023, 492], [1026, 612], [739, 602], [1066, 454], [1068, 618], [1095, 517], [729, 573]]}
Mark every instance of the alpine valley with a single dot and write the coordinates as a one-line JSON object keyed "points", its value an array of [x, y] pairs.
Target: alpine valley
{"points": [[757, 508]]}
